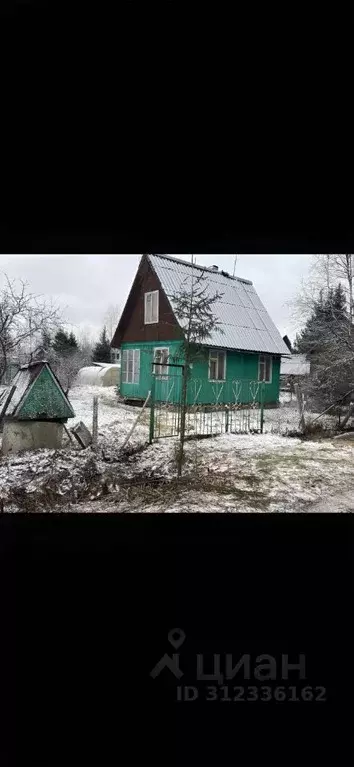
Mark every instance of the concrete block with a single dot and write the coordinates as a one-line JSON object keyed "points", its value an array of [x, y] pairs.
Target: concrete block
{"points": [[82, 434], [31, 435]]}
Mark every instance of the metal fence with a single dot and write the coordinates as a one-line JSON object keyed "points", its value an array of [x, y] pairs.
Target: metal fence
{"points": [[213, 407]]}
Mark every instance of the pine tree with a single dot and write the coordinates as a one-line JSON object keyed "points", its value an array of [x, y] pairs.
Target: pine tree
{"points": [[73, 342], [46, 341], [193, 307], [339, 305], [61, 343], [102, 350], [325, 341], [309, 340]]}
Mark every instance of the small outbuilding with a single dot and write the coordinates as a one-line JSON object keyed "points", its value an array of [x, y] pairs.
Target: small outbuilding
{"points": [[292, 370], [99, 374], [33, 410]]}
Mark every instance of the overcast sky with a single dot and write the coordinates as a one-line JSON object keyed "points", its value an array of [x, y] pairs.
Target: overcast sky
{"points": [[86, 285]]}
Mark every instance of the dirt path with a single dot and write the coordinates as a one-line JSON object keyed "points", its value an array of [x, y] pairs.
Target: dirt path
{"points": [[336, 503]]}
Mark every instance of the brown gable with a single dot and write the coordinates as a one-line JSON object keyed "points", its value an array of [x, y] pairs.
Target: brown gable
{"points": [[131, 327]]}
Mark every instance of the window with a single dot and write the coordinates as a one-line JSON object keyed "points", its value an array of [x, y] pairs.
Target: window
{"points": [[151, 307], [265, 368], [131, 366], [217, 366], [161, 356]]}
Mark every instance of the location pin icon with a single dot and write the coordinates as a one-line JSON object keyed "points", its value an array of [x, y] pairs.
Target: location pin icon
{"points": [[176, 637]]}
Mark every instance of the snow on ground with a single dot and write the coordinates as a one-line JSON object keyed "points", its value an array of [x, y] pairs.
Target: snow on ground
{"points": [[266, 472], [114, 418]]}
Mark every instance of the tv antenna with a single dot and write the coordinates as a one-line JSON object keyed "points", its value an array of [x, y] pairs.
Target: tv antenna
{"points": [[235, 262]]}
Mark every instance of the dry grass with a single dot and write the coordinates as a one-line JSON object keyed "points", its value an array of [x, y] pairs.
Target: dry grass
{"points": [[165, 492]]}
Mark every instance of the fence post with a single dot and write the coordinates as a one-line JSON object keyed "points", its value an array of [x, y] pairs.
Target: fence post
{"points": [[262, 406], [226, 419], [152, 409], [300, 401], [95, 421]]}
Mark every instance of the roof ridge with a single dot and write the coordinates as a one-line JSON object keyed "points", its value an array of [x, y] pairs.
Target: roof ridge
{"points": [[199, 266]]}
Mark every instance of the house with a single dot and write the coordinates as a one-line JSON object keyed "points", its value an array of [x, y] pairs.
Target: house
{"points": [[245, 348]]}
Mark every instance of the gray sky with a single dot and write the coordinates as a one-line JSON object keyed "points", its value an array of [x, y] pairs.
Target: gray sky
{"points": [[85, 286]]}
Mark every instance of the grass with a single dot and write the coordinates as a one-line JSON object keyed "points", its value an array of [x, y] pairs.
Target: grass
{"points": [[156, 491]]}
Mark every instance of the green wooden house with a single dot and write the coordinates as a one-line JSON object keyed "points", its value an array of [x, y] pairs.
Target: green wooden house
{"points": [[243, 351]]}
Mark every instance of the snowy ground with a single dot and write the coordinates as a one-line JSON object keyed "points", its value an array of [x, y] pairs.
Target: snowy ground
{"points": [[253, 472]]}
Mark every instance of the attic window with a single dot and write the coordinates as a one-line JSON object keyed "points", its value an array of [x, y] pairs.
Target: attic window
{"points": [[265, 368], [151, 307]]}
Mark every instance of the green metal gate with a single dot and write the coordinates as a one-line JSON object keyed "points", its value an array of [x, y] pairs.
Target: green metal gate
{"points": [[213, 407]]}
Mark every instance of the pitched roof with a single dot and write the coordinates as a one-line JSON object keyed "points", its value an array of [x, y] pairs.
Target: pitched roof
{"points": [[24, 382], [245, 323]]}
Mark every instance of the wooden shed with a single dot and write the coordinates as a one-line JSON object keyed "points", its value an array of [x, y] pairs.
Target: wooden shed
{"points": [[33, 410], [292, 370]]}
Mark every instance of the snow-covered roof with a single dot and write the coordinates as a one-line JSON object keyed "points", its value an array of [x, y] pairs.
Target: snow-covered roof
{"points": [[296, 365], [244, 323]]}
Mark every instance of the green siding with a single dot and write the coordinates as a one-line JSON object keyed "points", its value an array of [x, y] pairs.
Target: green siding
{"points": [[140, 390], [45, 400], [240, 366]]}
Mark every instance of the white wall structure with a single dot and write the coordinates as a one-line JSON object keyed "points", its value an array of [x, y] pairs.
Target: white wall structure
{"points": [[296, 365], [99, 374]]}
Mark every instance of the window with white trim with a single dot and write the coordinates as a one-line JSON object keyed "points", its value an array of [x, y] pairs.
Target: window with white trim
{"points": [[217, 365], [131, 366], [161, 355], [151, 313], [265, 368]]}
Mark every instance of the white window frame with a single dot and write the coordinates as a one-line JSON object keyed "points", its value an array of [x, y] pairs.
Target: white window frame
{"points": [[164, 373], [214, 355], [136, 366], [152, 321], [262, 360]]}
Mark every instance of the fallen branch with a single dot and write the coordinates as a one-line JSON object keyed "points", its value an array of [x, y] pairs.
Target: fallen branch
{"points": [[332, 405]]}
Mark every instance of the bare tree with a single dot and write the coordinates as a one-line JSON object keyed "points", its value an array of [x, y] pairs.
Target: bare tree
{"points": [[111, 319], [326, 272], [23, 315], [67, 367]]}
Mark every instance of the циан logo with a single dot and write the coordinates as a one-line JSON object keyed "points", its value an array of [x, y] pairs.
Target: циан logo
{"points": [[262, 668]]}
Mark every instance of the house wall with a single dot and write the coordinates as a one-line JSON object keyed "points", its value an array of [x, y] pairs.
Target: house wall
{"points": [[140, 390], [132, 326], [239, 366]]}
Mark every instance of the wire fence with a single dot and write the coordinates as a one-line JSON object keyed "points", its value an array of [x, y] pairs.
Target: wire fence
{"points": [[213, 407]]}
